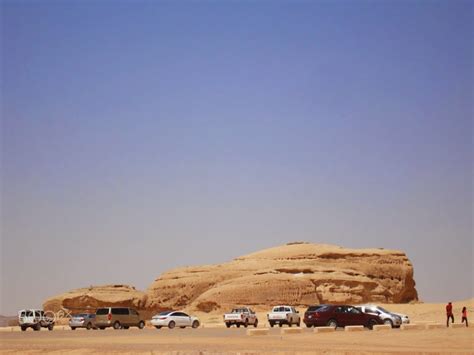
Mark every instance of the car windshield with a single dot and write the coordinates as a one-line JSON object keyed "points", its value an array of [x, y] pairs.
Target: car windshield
{"points": [[382, 309], [237, 310], [165, 313], [80, 315]]}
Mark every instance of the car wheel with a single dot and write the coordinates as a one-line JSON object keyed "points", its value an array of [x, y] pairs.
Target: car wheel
{"points": [[238, 325], [388, 322], [371, 323], [158, 326], [280, 324], [299, 323], [308, 325], [246, 323], [195, 324], [332, 323], [171, 324], [101, 328], [126, 327], [117, 325], [23, 328], [89, 326], [73, 328], [50, 327], [255, 325], [227, 325], [271, 324], [141, 325], [37, 327]]}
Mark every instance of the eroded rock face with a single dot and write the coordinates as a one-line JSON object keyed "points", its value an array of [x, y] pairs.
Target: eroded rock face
{"points": [[82, 299], [295, 274]]}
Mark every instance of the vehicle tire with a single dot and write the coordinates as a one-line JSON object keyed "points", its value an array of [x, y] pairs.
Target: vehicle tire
{"points": [[290, 323], [23, 328], [271, 324], [246, 323], [255, 324], [299, 323], [171, 324], [37, 327], [195, 324], [371, 323], [73, 328], [388, 322], [227, 324], [141, 324], [125, 327], [332, 323], [308, 325], [238, 325], [50, 327], [89, 326], [158, 326], [101, 328], [117, 325], [280, 324]]}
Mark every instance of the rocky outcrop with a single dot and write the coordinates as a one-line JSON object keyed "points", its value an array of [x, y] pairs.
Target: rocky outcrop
{"points": [[92, 297], [298, 274], [295, 274]]}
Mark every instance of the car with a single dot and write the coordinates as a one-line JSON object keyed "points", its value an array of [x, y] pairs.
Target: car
{"points": [[241, 316], [173, 319], [118, 318], [284, 315], [404, 317], [34, 318], [339, 316], [388, 318], [83, 320]]}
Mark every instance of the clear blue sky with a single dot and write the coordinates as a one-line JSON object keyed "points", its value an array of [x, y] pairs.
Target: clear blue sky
{"points": [[138, 136]]}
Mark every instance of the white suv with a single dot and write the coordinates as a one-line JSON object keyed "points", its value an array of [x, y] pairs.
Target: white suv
{"points": [[34, 318], [284, 315]]}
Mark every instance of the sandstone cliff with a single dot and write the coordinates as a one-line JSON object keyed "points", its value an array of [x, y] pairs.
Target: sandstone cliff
{"points": [[296, 274]]}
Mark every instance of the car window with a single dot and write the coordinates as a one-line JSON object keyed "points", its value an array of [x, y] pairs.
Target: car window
{"points": [[133, 312], [353, 310], [184, 315], [102, 311], [120, 311], [339, 310]]}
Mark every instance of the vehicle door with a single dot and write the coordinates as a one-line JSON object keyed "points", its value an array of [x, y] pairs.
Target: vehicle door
{"points": [[181, 319], [341, 315], [134, 317], [355, 316], [296, 315]]}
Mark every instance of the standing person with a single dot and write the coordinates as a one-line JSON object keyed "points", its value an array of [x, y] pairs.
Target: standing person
{"points": [[449, 314], [464, 316]]}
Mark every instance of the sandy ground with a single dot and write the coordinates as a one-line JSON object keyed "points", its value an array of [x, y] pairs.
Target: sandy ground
{"points": [[214, 338], [234, 341]]}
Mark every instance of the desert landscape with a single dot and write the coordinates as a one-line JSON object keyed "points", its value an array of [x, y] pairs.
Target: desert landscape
{"points": [[298, 274]]}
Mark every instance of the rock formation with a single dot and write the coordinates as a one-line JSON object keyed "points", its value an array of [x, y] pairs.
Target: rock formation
{"points": [[82, 299], [295, 274]]}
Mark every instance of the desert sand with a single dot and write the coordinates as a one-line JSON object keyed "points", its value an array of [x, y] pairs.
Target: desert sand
{"points": [[214, 338]]}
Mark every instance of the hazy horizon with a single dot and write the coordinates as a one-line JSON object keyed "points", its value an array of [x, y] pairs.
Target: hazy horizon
{"points": [[142, 136]]}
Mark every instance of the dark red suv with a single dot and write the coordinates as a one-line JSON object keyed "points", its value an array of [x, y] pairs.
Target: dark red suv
{"points": [[338, 316]]}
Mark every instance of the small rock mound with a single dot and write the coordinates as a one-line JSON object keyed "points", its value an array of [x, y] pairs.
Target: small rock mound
{"points": [[92, 297]]}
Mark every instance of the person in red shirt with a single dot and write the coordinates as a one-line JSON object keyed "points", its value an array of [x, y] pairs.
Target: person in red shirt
{"points": [[464, 316], [449, 314]]}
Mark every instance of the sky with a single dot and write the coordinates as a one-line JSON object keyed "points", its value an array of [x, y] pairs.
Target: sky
{"points": [[139, 136]]}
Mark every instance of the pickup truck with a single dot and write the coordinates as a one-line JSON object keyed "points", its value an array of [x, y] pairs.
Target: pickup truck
{"points": [[284, 315], [241, 316]]}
